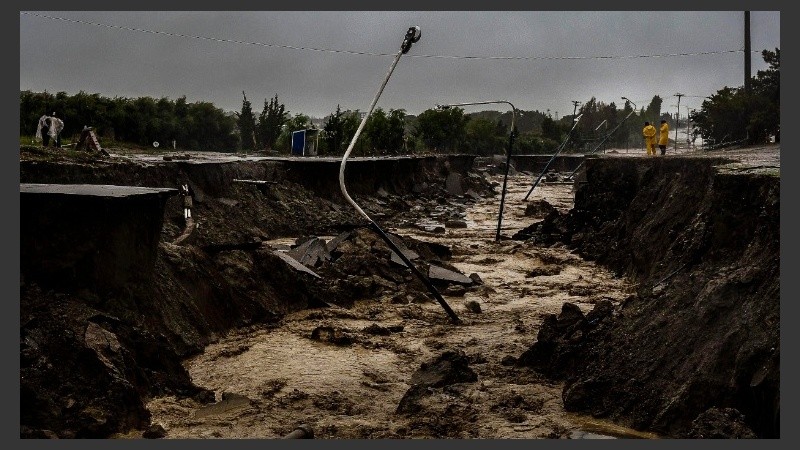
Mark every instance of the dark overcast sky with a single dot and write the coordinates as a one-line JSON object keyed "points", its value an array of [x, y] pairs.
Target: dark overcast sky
{"points": [[58, 55]]}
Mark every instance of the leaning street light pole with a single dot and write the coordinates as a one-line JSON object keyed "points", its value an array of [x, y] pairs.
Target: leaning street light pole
{"points": [[558, 150], [508, 157], [412, 35], [634, 106], [610, 133]]}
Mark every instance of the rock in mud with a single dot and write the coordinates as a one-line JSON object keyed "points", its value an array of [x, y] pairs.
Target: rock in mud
{"points": [[455, 291], [539, 208], [229, 402], [454, 185], [449, 368], [544, 271], [377, 330], [476, 279], [410, 403], [455, 223], [560, 335], [720, 423], [155, 431], [473, 306], [333, 335]]}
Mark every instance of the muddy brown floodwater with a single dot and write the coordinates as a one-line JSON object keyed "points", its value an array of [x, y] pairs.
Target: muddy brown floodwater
{"points": [[269, 380]]}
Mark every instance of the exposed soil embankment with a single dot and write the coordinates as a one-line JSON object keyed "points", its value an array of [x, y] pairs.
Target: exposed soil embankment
{"points": [[90, 359], [703, 331]]}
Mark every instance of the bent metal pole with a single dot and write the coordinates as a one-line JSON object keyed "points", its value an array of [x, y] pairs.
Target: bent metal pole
{"points": [[508, 156], [412, 35], [558, 150]]}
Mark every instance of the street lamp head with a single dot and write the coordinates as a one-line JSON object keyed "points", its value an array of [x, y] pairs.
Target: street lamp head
{"points": [[631, 101]]}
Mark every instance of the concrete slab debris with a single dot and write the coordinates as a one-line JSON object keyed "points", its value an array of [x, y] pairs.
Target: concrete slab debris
{"points": [[441, 274], [295, 264], [311, 252]]}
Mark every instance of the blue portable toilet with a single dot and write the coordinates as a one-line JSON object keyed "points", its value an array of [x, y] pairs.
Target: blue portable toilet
{"points": [[304, 142], [298, 142]]}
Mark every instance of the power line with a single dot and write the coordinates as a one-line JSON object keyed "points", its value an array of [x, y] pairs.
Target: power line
{"points": [[354, 52]]}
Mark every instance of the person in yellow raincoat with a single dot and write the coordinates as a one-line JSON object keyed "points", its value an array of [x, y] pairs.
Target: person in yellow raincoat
{"points": [[649, 133], [663, 137]]}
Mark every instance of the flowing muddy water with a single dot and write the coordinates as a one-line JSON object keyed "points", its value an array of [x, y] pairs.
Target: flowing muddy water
{"points": [[270, 380]]}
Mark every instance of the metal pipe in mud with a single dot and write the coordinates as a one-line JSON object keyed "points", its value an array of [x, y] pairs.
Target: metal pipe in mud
{"points": [[301, 432], [558, 150], [412, 35], [508, 156]]}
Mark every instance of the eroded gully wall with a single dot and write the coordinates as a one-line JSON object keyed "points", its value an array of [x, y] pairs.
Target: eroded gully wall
{"points": [[702, 246]]}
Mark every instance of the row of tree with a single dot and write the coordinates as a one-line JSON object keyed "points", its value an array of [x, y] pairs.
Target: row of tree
{"points": [[732, 114], [140, 121]]}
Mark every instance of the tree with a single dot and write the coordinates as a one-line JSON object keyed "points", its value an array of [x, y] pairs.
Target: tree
{"points": [[722, 117], [350, 122], [485, 137], [339, 130], [247, 125], [270, 122], [384, 133], [733, 115], [765, 100], [442, 130], [396, 133], [334, 132], [298, 122], [653, 111], [551, 130]]}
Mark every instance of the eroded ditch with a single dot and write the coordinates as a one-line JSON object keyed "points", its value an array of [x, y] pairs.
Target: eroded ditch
{"points": [[286, 378], [228, 340]]}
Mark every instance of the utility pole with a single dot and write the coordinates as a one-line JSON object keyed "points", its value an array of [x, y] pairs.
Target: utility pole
{"points": [[677, 115], [747, 52], [575, 104], [688, 119]]}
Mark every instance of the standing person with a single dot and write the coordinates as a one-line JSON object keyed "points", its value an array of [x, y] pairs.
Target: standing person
{"points": [[649, 133], [663, 137], [56, 125], [43, 130]]}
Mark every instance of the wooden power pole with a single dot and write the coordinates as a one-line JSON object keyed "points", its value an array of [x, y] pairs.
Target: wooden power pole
{"points": [[747, 52]]}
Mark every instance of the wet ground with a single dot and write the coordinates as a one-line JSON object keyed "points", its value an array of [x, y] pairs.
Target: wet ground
{"points": [[270, 380]]}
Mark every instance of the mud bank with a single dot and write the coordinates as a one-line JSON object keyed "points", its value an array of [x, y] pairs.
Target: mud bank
{"points": [[700, 238], [90, 358]]}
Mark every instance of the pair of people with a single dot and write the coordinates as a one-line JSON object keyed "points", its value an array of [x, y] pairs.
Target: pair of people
{"points": [[50, 127], [649, 133]]}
